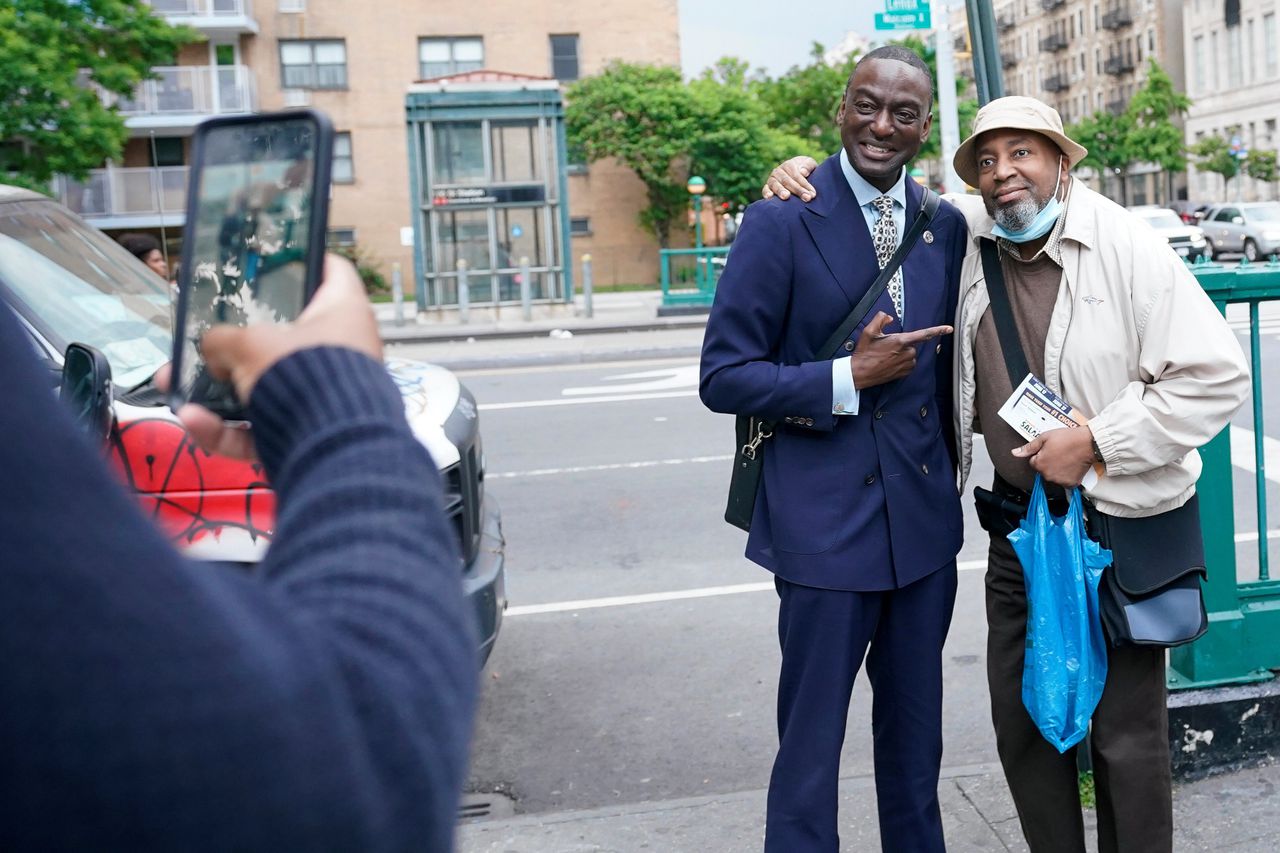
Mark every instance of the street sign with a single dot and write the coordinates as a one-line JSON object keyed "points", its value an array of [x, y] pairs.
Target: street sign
{"points": [[904, 15]]}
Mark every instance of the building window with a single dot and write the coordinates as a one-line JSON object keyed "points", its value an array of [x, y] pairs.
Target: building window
{"points": [[166, 151], [1269, 44], [440, 57], [564, 57], [294, 6], [340, 237], [344, 165], [313, 64], [580, 226]]}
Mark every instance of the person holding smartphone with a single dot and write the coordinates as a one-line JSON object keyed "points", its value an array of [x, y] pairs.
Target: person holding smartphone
{"points": [[153, 702]]}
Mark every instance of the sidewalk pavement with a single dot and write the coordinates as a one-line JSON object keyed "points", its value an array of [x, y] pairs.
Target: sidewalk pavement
{"points": [[624, 326], [1237, 812]]}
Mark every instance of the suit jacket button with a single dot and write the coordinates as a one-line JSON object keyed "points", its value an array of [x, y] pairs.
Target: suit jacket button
{"points": [[924, 411], [848, 346], [871, 478], [879, 414], [839, 407], [938, 348], [924, 469], [808, 421]]}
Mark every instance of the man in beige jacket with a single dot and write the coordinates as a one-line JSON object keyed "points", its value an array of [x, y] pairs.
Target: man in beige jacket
{"points": [[1111, 319]]}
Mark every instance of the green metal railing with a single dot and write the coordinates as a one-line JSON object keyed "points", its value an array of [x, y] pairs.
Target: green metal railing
{"points": [[1243, 641], [689, 276]]}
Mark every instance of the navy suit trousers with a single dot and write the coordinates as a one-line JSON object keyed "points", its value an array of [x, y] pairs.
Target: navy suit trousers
{"points": [[825, 635]]}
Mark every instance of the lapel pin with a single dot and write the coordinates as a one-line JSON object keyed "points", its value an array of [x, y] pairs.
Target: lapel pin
{"points": [[928, 236]]}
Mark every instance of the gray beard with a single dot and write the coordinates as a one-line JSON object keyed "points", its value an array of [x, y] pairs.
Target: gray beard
{"points": [[1016, 217]]}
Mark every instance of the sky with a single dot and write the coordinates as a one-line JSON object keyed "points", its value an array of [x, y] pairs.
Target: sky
{"points": [[771, 34]]}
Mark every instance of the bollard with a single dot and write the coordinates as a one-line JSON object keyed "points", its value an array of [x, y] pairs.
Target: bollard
{"points": [[526, 288], [586, 286], [397, 293], [464, 293]]}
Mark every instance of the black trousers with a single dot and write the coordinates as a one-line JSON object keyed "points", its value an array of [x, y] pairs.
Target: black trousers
{"points": [[1130, 736]]}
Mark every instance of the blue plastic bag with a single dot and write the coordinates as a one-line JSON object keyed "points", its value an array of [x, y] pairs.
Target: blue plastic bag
{"points": [[1065, 666]]}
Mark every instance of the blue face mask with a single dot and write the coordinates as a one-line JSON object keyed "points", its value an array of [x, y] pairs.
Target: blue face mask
{"points": [[1043, 222]]}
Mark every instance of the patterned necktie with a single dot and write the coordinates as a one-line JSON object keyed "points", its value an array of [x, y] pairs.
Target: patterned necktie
{"points": [[885, 238]]}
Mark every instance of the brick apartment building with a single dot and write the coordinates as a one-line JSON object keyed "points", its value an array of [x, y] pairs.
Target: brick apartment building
{"points": [[356, 62]]}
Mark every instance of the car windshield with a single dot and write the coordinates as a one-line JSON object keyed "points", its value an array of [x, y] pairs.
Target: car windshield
{"points": [[1264, 212], [1161, 219], [75, 285]]}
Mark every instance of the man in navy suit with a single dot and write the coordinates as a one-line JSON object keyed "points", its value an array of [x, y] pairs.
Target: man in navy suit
{"points": [[857, 516]]}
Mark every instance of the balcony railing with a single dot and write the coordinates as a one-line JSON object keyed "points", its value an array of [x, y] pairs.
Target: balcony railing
{"points": [[1054, 42], [1050, 5], [125, 192], [1008, 60], [203, 8], [1117, 106], [1118, 18], [1056, 83], [191, 90], [1117, 65]]}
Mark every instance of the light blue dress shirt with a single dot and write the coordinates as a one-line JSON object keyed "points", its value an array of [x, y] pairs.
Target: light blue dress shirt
{"points": [[844, 397]]}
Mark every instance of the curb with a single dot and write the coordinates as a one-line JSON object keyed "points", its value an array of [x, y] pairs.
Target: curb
{"points": [[407, 334], [552, 359]]}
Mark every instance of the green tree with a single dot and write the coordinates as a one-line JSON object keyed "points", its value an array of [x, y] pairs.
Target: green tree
{"points": [[51, 121], [735, 146], [803, 102], [1151, 113], [1213, 154], [1261, 166], [644, 116], [1108, 138]]}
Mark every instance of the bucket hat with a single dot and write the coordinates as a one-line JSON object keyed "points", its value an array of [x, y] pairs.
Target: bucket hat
{"points": [[1015, 112]]}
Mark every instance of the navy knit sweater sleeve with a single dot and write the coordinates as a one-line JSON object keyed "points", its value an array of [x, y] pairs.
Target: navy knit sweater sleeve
{"points": [[151, 702]]}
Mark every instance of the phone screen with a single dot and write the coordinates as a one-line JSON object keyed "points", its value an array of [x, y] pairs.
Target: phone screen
{"points": [[248, 256]]}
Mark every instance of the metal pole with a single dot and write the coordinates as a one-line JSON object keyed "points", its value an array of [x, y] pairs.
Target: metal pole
{"points": [[947, 98], [586, 286], [697, 221], [397, 293], [988, 74], [526, 296], [464, 293]]}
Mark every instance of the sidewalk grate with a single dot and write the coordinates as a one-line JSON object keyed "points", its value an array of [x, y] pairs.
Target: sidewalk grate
{"points": [[485, 806]]}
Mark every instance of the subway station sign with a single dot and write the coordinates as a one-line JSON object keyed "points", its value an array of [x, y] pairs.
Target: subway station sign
{"points": [[904, 15], [472, 196]]}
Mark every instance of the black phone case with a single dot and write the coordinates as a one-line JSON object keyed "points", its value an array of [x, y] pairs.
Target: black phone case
{"points": [[219, 397]]}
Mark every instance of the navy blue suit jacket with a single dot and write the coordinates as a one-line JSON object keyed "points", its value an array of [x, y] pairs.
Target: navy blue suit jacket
{"points": [[854, 502]]}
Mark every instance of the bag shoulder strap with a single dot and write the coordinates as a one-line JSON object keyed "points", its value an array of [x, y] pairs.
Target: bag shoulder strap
{"points": [[928, 207], [1015, 360]]}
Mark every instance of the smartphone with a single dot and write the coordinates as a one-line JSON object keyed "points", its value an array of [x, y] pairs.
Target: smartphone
{"points": [[253, 251]]}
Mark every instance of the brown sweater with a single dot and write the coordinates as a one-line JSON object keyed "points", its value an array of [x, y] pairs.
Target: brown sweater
{"points": [[1033, 290]]}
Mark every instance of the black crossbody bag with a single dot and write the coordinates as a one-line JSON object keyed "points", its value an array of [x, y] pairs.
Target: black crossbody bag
{"points": [[753, 432], [1150, 594]]}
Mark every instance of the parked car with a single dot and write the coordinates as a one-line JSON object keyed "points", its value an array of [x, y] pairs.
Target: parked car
{"points": [[1251, 228], [1187, 240], [70, 283], [1190, 212]]}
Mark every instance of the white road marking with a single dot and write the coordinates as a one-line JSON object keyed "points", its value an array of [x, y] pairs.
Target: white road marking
{"points": [[675, 595], [576, 401], [736, 589], [615, 466], [1242, 453], [650, 380]]}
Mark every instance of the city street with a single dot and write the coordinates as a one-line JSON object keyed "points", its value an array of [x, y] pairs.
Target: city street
{"points": [[638, 661]]}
